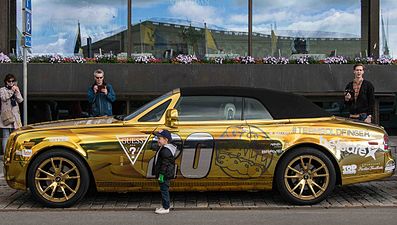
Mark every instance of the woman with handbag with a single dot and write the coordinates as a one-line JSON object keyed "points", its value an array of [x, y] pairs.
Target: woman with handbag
{"points": [[10, 96]]}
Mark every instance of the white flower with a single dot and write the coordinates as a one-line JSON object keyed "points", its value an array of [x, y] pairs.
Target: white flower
{"points": [[303, 60], [186, 59], [383, 60], [336, 60], [4, 58], [274, 60]]}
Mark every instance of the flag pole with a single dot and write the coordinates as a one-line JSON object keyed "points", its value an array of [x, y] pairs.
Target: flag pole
{"points": [[250, 27], [129, 31], [140, 31], [205, 36]]}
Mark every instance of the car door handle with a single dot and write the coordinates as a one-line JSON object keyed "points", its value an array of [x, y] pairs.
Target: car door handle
{"points": [[147, 131]]}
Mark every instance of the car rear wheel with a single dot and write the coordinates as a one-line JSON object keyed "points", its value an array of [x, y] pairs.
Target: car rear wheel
{"points": [[305, 176], [58, 178]]}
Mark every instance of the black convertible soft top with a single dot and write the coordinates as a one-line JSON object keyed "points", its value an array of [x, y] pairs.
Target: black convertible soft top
{"points": [[281, 105]]}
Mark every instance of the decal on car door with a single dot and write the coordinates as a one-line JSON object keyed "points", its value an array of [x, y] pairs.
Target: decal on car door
{"points": [[132, 145]]}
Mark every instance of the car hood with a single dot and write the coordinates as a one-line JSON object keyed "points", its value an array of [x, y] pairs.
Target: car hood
{"points": [[72, 122]]}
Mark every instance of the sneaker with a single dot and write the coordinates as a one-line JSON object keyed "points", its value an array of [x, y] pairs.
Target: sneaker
{"points": [[162, 211]]}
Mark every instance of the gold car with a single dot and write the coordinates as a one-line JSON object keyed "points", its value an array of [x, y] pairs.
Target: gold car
{"points": [[227, 138]]}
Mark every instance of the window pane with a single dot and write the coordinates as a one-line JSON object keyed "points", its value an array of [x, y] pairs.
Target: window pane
{"points": [[388, 28], [253, 109], [55, 25], [148, 105], [156, 114], [318, 27], [208, 108], [195, 27]]}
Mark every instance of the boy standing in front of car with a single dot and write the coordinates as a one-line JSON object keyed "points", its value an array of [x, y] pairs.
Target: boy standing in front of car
{"points": [[164, 168], [359, 96]]}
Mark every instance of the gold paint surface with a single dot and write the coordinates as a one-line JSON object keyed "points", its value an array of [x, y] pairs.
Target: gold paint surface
{"points": [[211, 155]]}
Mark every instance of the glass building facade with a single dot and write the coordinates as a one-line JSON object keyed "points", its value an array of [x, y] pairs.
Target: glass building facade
{"points": [[164, 28], [320, 28]]}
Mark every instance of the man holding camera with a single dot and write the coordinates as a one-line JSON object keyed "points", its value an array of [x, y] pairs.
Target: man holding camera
{"points": [[359, 96], [101, 95]]}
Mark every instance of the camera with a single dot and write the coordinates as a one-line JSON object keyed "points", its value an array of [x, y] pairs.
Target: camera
{"points": [[349, 91], [101, 87]]}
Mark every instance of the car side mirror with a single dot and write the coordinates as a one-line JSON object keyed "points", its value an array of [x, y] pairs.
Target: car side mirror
{"points": [[171, 118]]}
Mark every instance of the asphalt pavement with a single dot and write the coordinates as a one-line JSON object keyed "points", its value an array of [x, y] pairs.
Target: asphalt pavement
{"points": [[360, 216]]}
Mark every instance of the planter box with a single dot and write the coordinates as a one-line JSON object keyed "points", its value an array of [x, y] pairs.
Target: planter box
{"points": [[132, 80]]}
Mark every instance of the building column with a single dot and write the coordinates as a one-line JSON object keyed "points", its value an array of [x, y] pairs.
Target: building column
{"points": [[250, 53], [370, 11], [7, 25]]}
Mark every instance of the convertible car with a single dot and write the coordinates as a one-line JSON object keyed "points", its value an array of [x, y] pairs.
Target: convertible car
{"points": [[228, 139]]}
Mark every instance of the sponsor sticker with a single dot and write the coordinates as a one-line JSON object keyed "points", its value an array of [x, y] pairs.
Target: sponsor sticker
{"points": [[349, 169], [370, 168], [24, 152], [57, 139], [278, 152], [27, 152], [331, 131], [390, 166], [359, 149], [132, 145]]}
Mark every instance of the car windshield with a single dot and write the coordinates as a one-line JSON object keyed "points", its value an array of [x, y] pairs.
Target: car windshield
{"points": [[148, 105]]}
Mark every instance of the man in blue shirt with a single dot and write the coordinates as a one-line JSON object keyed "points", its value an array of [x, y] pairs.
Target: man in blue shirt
{"points": [[101, 95]]}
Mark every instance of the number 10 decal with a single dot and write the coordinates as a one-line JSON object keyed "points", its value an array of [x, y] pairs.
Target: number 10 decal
{"points": [[197, 151], [197, 155]]}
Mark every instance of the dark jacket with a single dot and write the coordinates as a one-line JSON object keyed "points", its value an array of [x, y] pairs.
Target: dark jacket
{"points": [[164, 161], [101, 103], [365, 101]]}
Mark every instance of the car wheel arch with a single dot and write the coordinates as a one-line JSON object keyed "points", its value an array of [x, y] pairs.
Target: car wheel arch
{"points": [[318, 147], [92, 183]]}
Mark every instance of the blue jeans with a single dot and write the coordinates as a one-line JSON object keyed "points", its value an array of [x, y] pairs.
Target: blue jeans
{"points": [[6, 134], [363, 116], [165, 194]]}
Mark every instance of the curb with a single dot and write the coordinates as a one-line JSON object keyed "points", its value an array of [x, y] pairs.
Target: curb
{"points": [[145, 209]]}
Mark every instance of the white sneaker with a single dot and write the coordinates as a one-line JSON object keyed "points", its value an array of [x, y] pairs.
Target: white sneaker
{"points": [[162, 211]]}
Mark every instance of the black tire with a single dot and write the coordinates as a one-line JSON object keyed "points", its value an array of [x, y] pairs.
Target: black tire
{"points": [[298, 168], [63, 183]]}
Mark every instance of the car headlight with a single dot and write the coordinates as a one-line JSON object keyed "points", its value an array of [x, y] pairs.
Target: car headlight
{"points": [[9, 148]]}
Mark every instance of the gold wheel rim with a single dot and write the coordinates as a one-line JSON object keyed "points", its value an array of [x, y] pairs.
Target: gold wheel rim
{"points": [[57, 179], [306, 177]]}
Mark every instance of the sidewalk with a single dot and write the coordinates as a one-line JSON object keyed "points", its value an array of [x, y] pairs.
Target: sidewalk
{"points": [[371, 194]]}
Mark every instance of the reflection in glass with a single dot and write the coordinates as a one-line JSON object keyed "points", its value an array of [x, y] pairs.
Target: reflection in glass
{"points": [[165, 28], [318, 28], [55, 24], [388, 25]]}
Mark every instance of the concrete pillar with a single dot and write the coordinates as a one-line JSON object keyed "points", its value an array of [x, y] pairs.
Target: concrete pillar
{"points": [[370, 10], [7, 25]]}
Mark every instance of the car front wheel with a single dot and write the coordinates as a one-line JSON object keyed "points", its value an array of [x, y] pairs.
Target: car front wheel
{"points": [[305, 176], [58, 178]]}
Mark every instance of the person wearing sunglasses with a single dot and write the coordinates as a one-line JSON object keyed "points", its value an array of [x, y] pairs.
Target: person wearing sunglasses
{"points": [[10, 115], [101, 95]]}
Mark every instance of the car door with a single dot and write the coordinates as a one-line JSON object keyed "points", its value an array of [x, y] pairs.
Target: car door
{"points": [[262, 127], [118, 153], [212, 136]]}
